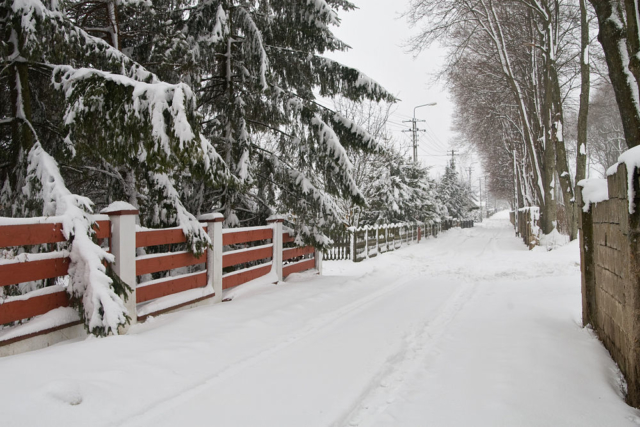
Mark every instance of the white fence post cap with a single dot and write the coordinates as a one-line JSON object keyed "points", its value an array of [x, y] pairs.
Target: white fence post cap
{"points": [[276, 218], [211, 217], [120, 208]]}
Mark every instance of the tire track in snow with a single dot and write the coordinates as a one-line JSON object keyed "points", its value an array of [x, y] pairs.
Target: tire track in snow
{"points": [[418, 346], [151, 412]]}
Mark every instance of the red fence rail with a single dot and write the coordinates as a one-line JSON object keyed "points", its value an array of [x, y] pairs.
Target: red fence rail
{"points": [[14, 272], [249, 252], [240, 257]]}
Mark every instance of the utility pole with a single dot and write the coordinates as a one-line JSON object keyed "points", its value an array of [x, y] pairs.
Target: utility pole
{"points": [[486, 194], [470, 169], [414, 129], [480, 198], [453, 159], [453, 155]]}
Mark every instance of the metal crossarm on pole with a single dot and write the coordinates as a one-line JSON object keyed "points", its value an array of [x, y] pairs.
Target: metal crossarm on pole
{"points": [[414, 129]]}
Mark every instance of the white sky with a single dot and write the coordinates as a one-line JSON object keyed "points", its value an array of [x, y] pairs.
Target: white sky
{"points": [[376, 32]]}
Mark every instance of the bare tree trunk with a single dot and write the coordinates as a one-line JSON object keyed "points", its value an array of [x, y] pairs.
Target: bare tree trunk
{"points": [[613, 38], [585, 86], [548, 211], [114, 30], [562, 165]]}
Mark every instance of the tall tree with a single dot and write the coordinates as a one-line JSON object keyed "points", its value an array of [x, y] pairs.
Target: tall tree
{"points": [[257, 68], [585, 86], [166, 104], [521, 46], [140, 117], [619, 36]]}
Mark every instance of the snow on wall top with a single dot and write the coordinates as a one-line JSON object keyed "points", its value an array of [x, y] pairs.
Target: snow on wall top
{"points": [[594, 190], [631, 158]]}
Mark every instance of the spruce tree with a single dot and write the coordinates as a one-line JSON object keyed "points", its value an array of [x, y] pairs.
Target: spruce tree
{"points": [[178, 107], [116, 117], [258, 69], [454, 194]]}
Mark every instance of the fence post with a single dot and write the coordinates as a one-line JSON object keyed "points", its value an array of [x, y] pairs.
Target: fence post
{"points": [[386, 238], [276, 223], [123, 247], [366, 241], [395, 235], [352, 242], [317, 256], [377, 240], [214, 255]]}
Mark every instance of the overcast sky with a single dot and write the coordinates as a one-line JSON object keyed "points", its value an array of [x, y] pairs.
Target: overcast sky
{"points": [[376, 32]]}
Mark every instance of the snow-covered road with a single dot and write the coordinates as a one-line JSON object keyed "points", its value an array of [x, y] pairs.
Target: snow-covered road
{"points": [[469, 329]]}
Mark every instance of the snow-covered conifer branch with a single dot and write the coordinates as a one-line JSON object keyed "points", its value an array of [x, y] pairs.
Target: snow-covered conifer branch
{"points": [[86, 89], [49, 37], [322, 14], [197, 239], [334, 150], [351, 134], [101, 308], [335, 78], [255, 45]]}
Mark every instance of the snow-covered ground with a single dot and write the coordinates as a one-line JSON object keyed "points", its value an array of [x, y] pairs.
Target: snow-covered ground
{"points": [[469, 329]]}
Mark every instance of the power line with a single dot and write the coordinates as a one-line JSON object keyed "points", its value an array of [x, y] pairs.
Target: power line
{"points": [[414, 129]]}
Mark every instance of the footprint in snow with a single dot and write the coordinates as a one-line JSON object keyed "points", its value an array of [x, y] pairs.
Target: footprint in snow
{"points": [[64, 391]]}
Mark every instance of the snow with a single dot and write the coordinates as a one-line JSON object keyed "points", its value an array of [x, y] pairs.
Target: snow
{"points": [[368, 140], [253, 287], [469, 329], [167, 278], [244, 270], [36, 293], [249, 249], [118, 206], [56, 317], [334, 149], [255, 44], [559, 131], [25, 257], [211, 216], [554, 239], [197, 237], [324, 11], [173, 300], [160, 255], [102, 308], [594, 190], [631, 158], [585, 55], [243, 229]]}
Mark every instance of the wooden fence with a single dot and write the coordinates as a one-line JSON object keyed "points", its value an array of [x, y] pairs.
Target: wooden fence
{"points": [[163, 277], [45, 266], [360, 243]]}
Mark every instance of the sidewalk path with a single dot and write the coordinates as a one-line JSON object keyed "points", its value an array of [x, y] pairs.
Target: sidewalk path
{"points": [[469, 329]]}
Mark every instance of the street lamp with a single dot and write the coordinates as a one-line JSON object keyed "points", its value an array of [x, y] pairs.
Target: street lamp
{"points": [[414, 129]]}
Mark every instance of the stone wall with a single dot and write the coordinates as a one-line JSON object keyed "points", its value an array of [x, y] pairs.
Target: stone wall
{"points": [[610, 255]]}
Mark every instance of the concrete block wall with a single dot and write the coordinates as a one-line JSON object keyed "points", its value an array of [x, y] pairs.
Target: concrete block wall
{"points": [[610, 262]]}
